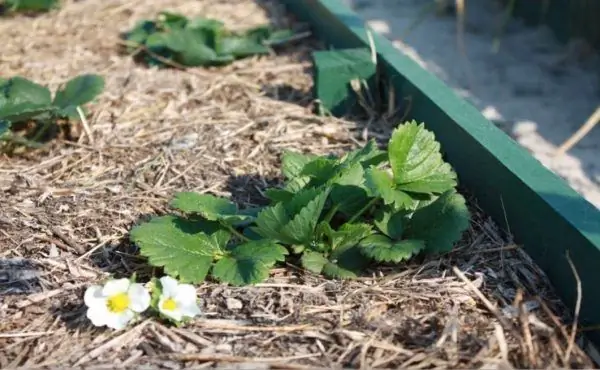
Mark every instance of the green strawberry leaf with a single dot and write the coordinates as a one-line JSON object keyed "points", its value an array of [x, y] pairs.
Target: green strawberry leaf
{"points": [[345, 262], [210, 207], [383, 249], [441, 223], [20, 90], [206, 24], [183, 247], [278, 36], [301, 200], [292, 163], [367, 156], [349, 199], [279, 195], [319, 170], [381, 184], [241, 47], [191, 46], [249, 263], [139, 34], [23, 111], [416, 161], [349, 235], [301, 228], [390, 222], [293, 222], [79, 91], [270, 221], [313, 261]]}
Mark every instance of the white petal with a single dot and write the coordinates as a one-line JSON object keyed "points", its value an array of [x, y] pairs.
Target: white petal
{"points": [[116, 286], [174, 314], [139, 297], [97, 314], [93, 296], [190, 309], [185, 293], [119, 321], [169, 286]]}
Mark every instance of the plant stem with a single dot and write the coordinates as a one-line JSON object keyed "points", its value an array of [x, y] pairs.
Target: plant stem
{"points": [[363, 210], [235, 232]]}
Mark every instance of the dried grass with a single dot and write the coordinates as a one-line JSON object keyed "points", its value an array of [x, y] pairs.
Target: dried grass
{"points": [[67, 210]]}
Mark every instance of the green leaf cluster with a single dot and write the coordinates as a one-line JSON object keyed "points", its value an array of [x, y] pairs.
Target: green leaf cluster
{"points": [[29, 5], [197, 42], [23, 101], [334, 216]]}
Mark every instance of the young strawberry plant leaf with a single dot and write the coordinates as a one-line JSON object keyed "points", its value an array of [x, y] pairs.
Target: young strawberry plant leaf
{"points": [[349, 199], [345, 262], [301, 228], [210, 207], [381, 184], [292, 163], [79, 91], [279, 195], [206, 23], [367, 156], [241, 47], [184, 248], [293, 222], [301, 200], [279, 36], [319, 170], [190, 46], [390, 222], [350, 235], [23, 111], [249, 263], [270, 221], [139, 34], [416, 161], [383, 249], [313, 261], [441, 223], [20, 90]]}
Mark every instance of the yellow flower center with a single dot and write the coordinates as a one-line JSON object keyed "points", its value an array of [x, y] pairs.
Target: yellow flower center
{"points": [[118, 303], [169, 304]]}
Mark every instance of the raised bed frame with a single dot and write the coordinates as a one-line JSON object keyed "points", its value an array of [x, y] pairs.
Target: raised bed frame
{"points": [[545, 215]]}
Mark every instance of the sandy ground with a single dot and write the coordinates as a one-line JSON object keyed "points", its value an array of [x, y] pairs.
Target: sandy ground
{"points": [[535, 88]]}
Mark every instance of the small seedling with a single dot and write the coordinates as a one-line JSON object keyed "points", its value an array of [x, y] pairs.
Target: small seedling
{"points": [[175, 39], [29, 107], [334, 216], [17, 6]]}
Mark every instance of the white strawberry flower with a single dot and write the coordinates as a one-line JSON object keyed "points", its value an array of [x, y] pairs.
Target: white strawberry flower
{"points": [[177, 300], [116, 303]]}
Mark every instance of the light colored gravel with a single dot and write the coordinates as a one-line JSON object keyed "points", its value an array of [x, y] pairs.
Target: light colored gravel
{"points": [[535, 88]]}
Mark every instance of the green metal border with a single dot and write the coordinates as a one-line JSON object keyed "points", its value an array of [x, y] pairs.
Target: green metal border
{"points": [[544, 214]]}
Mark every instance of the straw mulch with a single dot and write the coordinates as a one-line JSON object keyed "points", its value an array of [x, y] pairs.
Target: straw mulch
{"points": [[67, 210]]}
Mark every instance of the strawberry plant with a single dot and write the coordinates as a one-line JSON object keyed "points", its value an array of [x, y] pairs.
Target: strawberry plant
{"points": [[196, 42], [29, 5], [333, 216], [29, 107]]}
